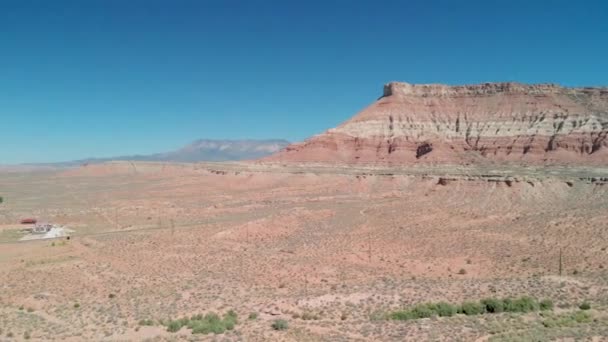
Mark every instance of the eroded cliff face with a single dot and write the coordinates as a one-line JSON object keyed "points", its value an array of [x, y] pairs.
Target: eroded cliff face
{"points": [[491, 122]]}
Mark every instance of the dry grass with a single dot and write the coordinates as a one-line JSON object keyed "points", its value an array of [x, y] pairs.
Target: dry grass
{"points": [[328, 253]]}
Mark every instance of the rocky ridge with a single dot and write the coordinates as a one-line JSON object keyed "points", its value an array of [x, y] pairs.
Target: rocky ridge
{"points": [[484, 123]]}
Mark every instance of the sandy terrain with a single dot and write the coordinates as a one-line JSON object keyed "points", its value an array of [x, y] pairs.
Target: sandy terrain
{"points": [[339, 247]]}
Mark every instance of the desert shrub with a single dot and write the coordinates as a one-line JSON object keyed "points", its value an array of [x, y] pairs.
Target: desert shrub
{"points": [[422, 311], [76, 305], [462, 271], [488, 305], [377, 316], [567, 320], [253, 316], [207, 327], [582, 317], [403, 315], [493, 305], [146, 322], [585, 306], [280, 324], [210, 323], [441, 309], [471, 308], [546, 304], [523, 304], [444, 309], [111, 296], [207, 324], [174, 326], [230, 320]]}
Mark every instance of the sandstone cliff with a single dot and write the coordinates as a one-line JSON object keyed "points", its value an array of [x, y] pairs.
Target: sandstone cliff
{"points": [[490, 122]]}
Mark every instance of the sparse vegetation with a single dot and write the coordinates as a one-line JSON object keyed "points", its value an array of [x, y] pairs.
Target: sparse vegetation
{"points": [[280, 324], [567, 319], [146, 322], [471, 308], [122, 277], [523, 304], [493, 305], [546, 304], [488, 305], [585, 306], [205, 324]]}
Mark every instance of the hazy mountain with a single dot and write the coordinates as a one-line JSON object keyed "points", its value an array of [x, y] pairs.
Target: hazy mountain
{"points": [[199, 150]]}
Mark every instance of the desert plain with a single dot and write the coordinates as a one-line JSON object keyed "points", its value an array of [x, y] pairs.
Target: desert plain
{"points": [[332, 251]]}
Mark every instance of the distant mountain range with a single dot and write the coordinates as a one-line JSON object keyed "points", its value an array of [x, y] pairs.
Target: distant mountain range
{"points": [[197, 151]]}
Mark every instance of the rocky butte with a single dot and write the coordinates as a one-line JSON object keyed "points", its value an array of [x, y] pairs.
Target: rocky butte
{"points": [[490, 122]]}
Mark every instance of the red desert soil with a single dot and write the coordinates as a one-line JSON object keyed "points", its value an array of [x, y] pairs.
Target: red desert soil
{"points": [[342, 245]]}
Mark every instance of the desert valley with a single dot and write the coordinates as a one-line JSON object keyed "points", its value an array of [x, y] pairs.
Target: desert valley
{"points": [[440, 213]]}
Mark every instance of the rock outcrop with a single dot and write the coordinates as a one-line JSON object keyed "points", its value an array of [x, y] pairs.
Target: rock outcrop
{"points": [[490, 122]]}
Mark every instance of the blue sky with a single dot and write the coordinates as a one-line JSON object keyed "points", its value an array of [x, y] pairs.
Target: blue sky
{"points": [[87, 78]]}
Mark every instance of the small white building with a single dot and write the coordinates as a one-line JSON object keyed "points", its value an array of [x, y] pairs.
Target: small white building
{"points": [[42, 228]]}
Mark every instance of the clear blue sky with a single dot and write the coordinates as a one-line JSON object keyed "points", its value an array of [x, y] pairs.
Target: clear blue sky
{"points": [[89, 78]]}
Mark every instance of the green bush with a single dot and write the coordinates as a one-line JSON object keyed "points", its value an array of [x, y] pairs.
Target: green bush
{"points": [[585, 306], [546, 304], [253, 316], [422, 311], [280, 324], [403, 315], [174, 326], [471, 308], [207, 324], [523, 304], [493, 305], [488, 305], [230, 320], [444, 309]]}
